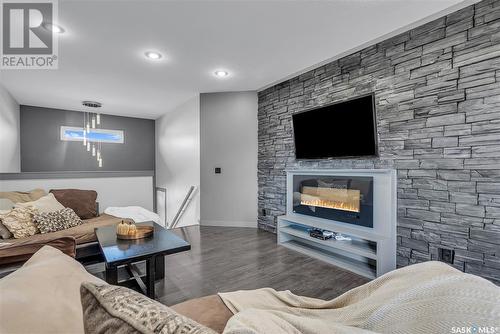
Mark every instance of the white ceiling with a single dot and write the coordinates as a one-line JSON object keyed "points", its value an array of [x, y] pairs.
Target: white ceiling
{"points": [[258, 42]]}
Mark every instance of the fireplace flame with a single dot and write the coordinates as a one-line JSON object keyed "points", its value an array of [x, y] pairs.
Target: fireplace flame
{"points": [[331, 204], [331, 198]]}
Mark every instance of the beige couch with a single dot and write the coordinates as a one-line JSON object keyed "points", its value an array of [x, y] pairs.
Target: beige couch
{"points": [[16, 251], [43, 296], [19, 250]]}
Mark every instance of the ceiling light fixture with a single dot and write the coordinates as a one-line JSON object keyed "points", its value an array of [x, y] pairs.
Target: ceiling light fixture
{"points": [[54, 28], [92, 120], [221, 74], [153, 55], [92, 104]]}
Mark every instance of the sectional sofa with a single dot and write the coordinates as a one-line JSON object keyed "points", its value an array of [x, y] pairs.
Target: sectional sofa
{"points": [[78, 241]]}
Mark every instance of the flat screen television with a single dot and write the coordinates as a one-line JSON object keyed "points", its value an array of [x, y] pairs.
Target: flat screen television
{"points": [[344, 129]]}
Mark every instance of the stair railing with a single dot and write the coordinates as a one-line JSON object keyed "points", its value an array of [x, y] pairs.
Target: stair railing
{"points": [[183, 207]]}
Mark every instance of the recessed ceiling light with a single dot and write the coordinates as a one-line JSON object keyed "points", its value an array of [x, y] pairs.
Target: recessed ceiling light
{"points": [[153, 55], [53, 27], [221, 74]]}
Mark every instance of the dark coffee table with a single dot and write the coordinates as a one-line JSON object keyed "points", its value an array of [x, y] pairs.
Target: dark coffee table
{"points": [[118, 252]]}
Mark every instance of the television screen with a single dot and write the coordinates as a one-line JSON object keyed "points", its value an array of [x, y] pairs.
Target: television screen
{"points": [[345, 129]]}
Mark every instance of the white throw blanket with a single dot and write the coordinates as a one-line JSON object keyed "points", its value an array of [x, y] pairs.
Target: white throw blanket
{"points": [[136, 213], [425, 298]]}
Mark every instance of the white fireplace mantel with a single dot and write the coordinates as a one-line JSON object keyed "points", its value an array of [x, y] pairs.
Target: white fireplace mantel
{"points": [[372, 251]]}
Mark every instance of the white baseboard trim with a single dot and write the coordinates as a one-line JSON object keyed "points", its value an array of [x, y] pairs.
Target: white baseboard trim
{"points": [[187, 224], [228, 223]]}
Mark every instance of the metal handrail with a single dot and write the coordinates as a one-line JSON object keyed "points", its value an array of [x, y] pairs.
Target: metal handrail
{"points": [[183, 206]]}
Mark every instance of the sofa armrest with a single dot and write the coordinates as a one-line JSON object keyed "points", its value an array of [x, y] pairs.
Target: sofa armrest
{"points": [[209, 311], [20, 252]]}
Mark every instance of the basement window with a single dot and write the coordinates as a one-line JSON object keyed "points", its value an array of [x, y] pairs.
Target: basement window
{"points": [[69, 133]]}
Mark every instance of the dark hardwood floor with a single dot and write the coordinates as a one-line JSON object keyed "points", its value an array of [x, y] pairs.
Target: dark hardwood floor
{"points": [[227, 258]]}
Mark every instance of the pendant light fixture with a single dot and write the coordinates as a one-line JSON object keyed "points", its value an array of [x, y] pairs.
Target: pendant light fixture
{"points": [[99, 154], [92, 121], [84, 130]]}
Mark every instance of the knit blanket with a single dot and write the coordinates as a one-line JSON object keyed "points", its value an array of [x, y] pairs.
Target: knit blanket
{"points": [[430, 297]]}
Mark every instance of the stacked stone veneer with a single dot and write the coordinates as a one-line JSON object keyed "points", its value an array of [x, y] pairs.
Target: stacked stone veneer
{"points": [[437, 96]]}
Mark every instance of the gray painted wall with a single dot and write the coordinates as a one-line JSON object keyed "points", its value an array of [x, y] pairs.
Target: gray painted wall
{"points": [[10, 159], [228, 138], [438, 111], [43, 151]]}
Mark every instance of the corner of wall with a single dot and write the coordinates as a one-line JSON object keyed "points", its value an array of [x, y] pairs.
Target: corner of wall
{"points": [[178, 158], [9, 133]]}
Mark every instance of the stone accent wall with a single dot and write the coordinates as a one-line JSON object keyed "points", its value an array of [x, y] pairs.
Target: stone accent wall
{"points": [[437, 95]]}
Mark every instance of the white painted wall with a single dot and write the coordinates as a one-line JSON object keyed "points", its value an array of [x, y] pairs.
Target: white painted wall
{"points": [[10, 147], [229, 140], [178, 159], [111, 191]]}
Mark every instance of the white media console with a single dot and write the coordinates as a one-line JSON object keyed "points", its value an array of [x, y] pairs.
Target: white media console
{"points": [[371, 252]]}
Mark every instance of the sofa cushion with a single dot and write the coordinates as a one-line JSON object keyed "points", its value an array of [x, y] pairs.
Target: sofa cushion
{"points": [[209, 311], [18, 253], [22, 197], [83, 233], [44, 204], [115, 309], [43, 296], [57, 220], [19, 221], [6, 204], [83, 202]]}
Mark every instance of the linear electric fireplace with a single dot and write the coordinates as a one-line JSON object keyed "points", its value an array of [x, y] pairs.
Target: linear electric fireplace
{"points": [[347, 199], [358, 204]]}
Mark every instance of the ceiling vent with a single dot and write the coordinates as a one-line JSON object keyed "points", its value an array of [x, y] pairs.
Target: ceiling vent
{"points": [[92, 104]]}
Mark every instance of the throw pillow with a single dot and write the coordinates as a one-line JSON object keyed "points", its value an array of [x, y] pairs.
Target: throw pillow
{"points": [[23, 196], [115, 309], [43, 296], [19, 221], [83, 202], [46, 203], [55, 221], [4, 231]]}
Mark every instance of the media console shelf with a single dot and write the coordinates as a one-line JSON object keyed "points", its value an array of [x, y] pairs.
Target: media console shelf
{"points": [[371, 252]]}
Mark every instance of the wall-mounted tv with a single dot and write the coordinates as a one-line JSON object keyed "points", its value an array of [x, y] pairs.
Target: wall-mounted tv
{"points": [[344, 129]]}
